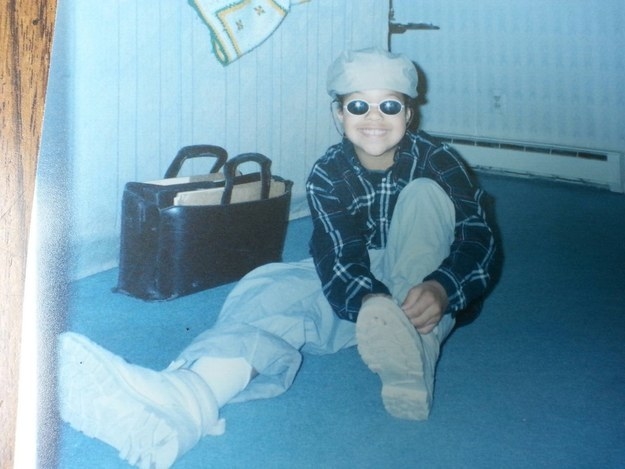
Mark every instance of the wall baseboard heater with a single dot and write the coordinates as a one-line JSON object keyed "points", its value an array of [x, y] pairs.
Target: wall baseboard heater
{"points": [[591, 167]]}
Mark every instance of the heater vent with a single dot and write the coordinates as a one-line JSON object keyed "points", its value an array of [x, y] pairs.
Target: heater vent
{"points": [[586, 166]]}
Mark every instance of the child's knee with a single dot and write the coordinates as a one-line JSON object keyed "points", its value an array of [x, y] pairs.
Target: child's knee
{"points": [[423, 187], [426, 193]]}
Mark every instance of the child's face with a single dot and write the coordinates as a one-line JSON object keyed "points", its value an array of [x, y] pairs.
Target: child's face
{"points": [[375, 134]]}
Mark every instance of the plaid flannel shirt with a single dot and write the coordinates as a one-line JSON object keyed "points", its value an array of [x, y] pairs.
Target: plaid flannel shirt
{"points": [[352, 209]]}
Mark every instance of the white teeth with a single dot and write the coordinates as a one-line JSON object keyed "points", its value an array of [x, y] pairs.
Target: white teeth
{"points": [[373, 132]]}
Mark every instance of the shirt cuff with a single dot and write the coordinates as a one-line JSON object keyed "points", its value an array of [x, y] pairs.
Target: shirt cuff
{"points": [[451, 288]]}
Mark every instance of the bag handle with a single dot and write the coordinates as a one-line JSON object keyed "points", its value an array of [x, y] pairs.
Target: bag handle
{"points": [[197, 151], [230, 173]]}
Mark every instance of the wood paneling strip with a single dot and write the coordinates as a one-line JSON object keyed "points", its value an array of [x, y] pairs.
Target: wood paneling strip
{"points": [[26, 30]]}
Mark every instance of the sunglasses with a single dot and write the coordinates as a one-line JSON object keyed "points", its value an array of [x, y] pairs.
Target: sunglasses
{"points": [[360, 107]]}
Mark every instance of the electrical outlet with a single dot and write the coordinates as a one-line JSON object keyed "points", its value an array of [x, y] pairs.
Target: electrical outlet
{"points": [[498, 101]]}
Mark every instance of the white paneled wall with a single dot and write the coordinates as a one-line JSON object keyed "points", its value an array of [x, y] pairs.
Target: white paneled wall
{"points": [[142, 82], [548, 71]]}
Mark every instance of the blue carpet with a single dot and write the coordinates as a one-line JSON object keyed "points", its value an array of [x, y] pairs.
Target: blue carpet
{"points": [[536, 380]]}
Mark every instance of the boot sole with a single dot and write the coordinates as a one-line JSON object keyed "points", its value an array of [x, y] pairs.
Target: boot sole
{"points": [[387, 343]]}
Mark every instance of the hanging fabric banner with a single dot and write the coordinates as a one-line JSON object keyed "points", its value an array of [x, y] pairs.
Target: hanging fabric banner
{"points": [[237, 27]]}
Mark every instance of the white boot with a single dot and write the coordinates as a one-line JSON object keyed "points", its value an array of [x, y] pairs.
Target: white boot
{"points": [[150, 417], [391, 347]]}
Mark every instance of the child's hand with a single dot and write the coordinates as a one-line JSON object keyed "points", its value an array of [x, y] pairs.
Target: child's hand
{"points": [[425, 305]]}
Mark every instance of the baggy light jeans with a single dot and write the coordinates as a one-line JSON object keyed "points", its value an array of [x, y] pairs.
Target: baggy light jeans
{"points": [[278, 311]]}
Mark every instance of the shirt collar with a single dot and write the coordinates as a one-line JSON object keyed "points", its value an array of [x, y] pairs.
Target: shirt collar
{"points": [[350, 155]]}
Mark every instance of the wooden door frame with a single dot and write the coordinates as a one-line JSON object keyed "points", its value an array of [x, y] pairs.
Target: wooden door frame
{"points": [[26, 30]]}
